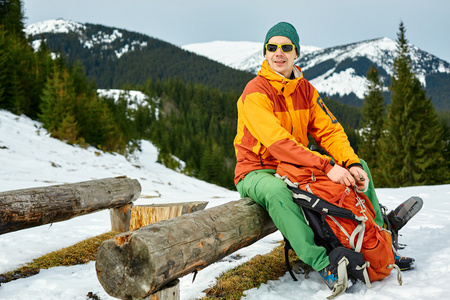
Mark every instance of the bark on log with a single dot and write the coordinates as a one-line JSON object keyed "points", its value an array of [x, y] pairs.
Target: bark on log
{"points": [[136, 264], [143, 215], [27, 208]]}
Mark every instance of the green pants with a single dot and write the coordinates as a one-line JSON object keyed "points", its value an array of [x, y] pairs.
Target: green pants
{"points": [[273, 195], [370, 193]]}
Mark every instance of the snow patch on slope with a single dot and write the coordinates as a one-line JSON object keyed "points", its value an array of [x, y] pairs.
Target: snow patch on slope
{"points": [[342, 83], [100, 38], [54, 26]]}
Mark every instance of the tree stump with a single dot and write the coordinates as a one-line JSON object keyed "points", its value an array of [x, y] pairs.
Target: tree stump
{"points": [[137, 264], [142, 215]]}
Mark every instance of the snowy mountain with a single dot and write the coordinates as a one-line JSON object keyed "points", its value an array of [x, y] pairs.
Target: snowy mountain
{"points": [[115, 57], [338, 72], [31, 158], [88, 40]]}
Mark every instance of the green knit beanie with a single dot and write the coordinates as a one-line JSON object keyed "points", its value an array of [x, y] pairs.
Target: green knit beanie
{"points": [[283, 29]]}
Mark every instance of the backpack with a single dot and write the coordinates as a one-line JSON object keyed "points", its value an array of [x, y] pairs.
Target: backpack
{"points": [[340, 216]]}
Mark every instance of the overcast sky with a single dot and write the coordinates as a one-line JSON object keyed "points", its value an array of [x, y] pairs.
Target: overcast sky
{"points": [[322, 23]]}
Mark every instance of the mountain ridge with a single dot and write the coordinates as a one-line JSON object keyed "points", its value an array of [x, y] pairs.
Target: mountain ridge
{"points": [[115, 58], [338, 72]]}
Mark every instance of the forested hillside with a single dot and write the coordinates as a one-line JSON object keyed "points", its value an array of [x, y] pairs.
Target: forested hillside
{"points": [[115, 57], [196, 124]]}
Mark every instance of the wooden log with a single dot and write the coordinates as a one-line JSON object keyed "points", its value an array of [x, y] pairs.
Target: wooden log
{"points": [[136, 264], [143, 215], [27, 208], [169, 292], [121, 217]]}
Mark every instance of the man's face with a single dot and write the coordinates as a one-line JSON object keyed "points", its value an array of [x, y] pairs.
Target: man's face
{"points": [[279, 61]]}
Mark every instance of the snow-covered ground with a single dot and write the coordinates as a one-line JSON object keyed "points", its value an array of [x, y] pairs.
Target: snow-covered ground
{"points": [[30, 158]]}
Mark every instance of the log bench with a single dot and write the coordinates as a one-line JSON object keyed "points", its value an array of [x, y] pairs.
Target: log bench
{"points": [[144, 263], [139, 264], [26, 208]]}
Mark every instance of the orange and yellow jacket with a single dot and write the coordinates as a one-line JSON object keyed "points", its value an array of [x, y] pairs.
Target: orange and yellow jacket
{"points": [[274, 116]]}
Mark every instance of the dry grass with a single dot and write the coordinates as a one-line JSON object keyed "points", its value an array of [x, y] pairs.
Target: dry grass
{"points": [[80, 253], [260, 269]]}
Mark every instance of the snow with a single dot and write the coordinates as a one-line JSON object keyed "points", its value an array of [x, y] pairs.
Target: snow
{"points": [[127, 48], [54, 26], [342, 83], [134, 98], [99, 38], [380, 51], [31, 158]]}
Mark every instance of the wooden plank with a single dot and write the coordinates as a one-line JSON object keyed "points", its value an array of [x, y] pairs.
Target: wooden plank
{"points": [[139, 263], [25, 208]]}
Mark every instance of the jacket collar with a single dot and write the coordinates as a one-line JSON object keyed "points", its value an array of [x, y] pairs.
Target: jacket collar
{"points": [[278, 81]]}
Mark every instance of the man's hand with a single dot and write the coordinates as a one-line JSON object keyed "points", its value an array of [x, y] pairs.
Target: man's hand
{"points": [[361, 177], [355, 176], [341, 175]]}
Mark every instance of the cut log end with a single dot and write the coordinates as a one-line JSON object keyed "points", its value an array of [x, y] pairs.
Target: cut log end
{"points": [[124, 265]]}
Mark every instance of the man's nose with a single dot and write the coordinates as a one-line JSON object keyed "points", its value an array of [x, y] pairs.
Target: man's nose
{"points": [[279, 51]]}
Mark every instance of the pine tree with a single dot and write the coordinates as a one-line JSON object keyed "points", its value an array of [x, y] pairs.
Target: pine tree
{"points": [[3, 60], [22, 80], [11, 17], [21, 94], [411, 150], [57, 103], [374, 114]]}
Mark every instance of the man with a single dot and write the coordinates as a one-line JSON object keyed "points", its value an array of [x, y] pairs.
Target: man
{"points": [[275, 112]]}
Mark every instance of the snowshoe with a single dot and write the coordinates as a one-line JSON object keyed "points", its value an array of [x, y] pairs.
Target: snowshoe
{"points": [[404, 212], [397, 218]]}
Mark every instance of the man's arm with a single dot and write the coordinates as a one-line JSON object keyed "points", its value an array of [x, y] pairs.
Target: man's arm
{"points": [[261, 122]]}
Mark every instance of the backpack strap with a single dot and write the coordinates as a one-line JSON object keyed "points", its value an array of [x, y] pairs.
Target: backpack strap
{"points": [[341, 285], [287, 247], [310, 201]]}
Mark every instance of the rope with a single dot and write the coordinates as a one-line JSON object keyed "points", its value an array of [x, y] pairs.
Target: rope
{"points": [[399, 274]]}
